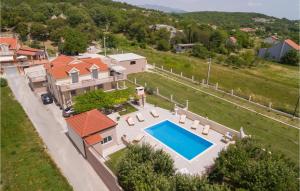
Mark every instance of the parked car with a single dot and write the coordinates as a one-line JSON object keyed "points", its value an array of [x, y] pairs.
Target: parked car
{"points": [[69, 111], [46, 98]]}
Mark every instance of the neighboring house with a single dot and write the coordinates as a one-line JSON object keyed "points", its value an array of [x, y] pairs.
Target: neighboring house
{"points": [[133, 63], [36, 76], [169, 28], [12, 52], [277, 51], [28, 57], [232, 40], [271, 40], [183, 47], [92, 128], [70, 76], [8, 48], [248, 30]]}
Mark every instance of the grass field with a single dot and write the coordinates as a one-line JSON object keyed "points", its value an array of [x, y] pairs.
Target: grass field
{"points": [[113, 161], [269, 82], [270, 133], [25, 165]]}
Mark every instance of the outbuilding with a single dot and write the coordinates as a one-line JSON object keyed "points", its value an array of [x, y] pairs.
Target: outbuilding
{"points": [[92, 128], [133, 63]]}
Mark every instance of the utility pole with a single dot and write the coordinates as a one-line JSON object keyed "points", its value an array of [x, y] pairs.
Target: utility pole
{"points": [[104, 44], [297, 104], [208, 71]]}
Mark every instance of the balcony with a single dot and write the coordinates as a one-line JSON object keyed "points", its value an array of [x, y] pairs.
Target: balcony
{"points": [[89, 83]]}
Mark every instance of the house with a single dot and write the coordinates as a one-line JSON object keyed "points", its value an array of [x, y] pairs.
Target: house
{"points": [[169, 28], [271, 40], [8, 47], [247, 29], [70, 76], [92, 128], [133, 63], [11, 51], [277, 51], [232, 40], [36, 76], [28, 57], [183, 47]]}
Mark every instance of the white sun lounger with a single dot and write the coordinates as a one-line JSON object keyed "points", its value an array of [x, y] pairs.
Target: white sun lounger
{"points": [[140, 117], [139, 137], [228, 137], [182, 118], [130, 121], [154, 113], [195, 124], [126, 139], [205, 130]]}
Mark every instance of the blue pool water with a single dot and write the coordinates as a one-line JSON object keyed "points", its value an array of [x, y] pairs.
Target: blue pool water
{"points": [[178, 139]]}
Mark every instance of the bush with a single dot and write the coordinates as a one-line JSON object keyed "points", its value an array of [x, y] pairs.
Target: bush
{"points": [[245, 165], [3, 82], [291, 58]]}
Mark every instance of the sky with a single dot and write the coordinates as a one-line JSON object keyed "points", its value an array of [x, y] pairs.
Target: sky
{"points": [[279, 8]]}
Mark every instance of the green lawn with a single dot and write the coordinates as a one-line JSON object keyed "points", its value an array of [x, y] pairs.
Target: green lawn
{"points": [[269, 132], [269, 82], [113, 161], [25, 165], [127, 109]]}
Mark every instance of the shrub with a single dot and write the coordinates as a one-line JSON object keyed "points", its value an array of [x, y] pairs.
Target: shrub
{"points": [[291, 58], [3, 82], [246, 165]]}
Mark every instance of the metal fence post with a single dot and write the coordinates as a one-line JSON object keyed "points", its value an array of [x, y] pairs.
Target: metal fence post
{"points": [[250, 98], [162, 67], [192, 78], [270, 105], [203, 81], [232, 92], [181, 74], [171, 70], [145, 84], [157, 91], [171, 97], [217, 85], [187, 104], [135, 81]]}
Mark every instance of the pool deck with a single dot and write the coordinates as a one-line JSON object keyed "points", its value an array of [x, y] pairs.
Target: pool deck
{"points": [[197, 165]]}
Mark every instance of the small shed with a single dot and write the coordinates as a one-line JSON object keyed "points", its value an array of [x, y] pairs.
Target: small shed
{"points": [[36, 76], [183, 47]]}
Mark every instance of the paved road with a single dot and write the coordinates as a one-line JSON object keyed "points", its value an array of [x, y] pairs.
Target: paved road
{"points": [[51, 128]]}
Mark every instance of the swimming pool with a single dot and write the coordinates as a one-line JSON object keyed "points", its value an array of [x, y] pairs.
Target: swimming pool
{"points": [[178, 139]]}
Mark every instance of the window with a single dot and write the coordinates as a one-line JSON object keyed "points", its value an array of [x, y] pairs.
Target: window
{"points": [[95, 74], [132, 62], [106, 140], [74, 76]]}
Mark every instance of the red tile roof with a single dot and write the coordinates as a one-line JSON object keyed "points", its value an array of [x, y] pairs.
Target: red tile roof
{"points": [[59, 68], [90, 122], [93, 139], [292, 44], [11, 42]]}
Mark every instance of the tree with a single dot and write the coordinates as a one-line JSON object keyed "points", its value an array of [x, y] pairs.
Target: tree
{"points": [[246, 165], [217, 39], [163, 45], [39, 31], [200, 51], [74, 43], [22, 30], [143, 168], [291, 58]]}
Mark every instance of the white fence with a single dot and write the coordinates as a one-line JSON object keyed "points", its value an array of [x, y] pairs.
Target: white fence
{"points": [[229, 93]]}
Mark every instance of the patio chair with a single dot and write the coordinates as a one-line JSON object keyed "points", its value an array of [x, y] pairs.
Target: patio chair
{"points": [[125, 139], [140, 117], [130, 121], [195, 124], [154, 113], [228, 137], [182, 118], [138, 138], [205, 130]]}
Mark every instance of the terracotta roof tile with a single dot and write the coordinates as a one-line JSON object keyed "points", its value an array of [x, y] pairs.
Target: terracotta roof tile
{"points": [[93, 139], [12, 42], [61, 65], [292, 44], [90, 122]]}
